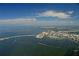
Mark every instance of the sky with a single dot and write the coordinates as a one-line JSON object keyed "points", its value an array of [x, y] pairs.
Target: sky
{"points": [[41, 14]]}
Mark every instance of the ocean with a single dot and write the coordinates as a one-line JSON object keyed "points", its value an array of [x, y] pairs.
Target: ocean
{"points": [[19, 45]]}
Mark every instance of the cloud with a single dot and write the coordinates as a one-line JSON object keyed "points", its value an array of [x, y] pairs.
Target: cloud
{"points": [[18, 21], [51, 13], [70, 12]]}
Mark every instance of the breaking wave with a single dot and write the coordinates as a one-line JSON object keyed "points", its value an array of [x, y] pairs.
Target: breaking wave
{"points": [[15, 36]]}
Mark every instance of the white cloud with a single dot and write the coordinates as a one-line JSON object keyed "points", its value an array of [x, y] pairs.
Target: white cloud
{"points": [[70, 12], [18, 21], [51, 13]]}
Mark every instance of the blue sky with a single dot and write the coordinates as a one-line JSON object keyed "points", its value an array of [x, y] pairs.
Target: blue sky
{"points": [[25, 10], [40, 12]]}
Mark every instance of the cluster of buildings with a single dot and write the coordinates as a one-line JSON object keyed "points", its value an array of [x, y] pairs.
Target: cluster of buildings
{"points": [[58, 35]]}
